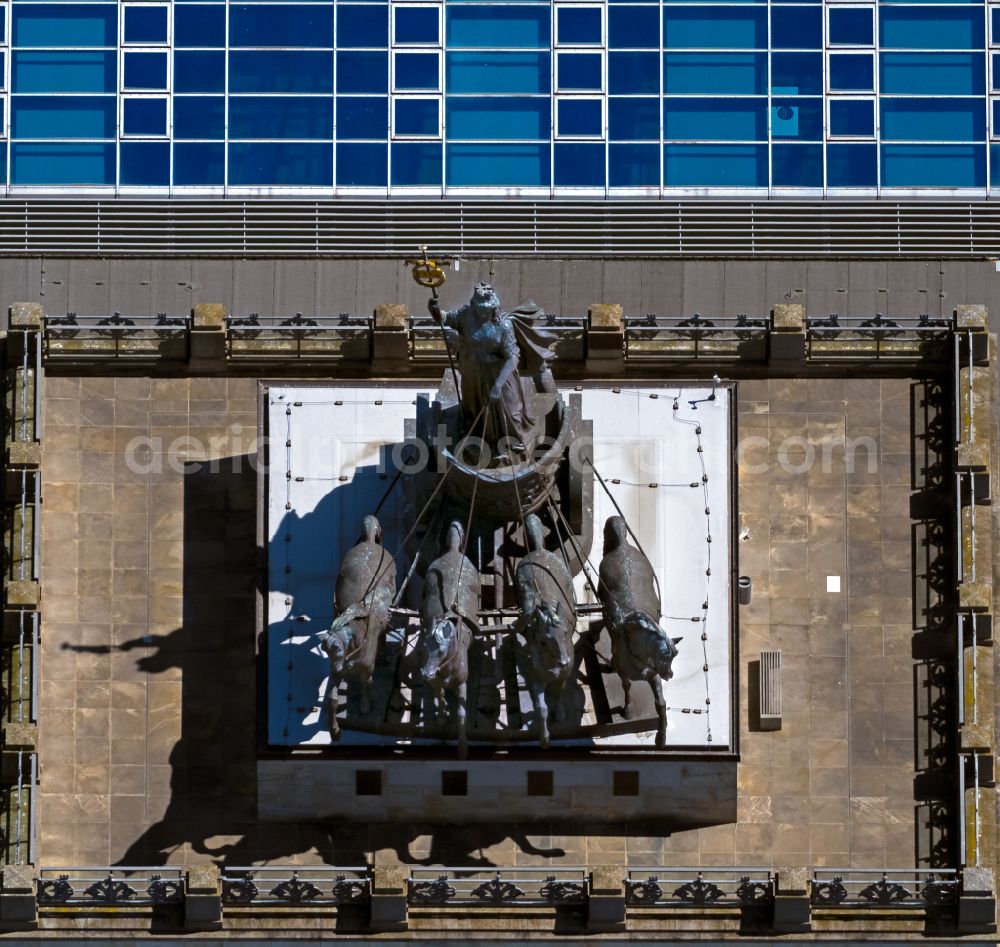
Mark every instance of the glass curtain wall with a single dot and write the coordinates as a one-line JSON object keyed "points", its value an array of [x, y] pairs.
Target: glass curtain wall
{"points": [[640, 97]]}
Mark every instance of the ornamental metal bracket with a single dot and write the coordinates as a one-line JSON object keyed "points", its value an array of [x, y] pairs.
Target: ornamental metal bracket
{"points": [[110, 890], [296, 890], [643, 892], [431, 892], [239, 890], [829, 892], [58, 891], [885, 891], [498, 891], [562, 892], [699, 891]]}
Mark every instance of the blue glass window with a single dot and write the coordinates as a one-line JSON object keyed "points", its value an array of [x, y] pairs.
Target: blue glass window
{"points": [[801, 119], [578, 71], [63, 71], [715, 119], [144, 116], [797, 28], [417, 117], [933, 119], [489, 26], [851, 72], [419, 71], [264, 25], [714, 27], [994, 29], [199, 116], [363, 117], [41, 116], [634, 119], [580, 117], [634, 165], [933, 73], [579, 164], [362, 72], [931, 27], [145, 70], [634, 27], [145, 24], [198, 71], [797, 73], [996, 125], [492, 165], [851, 26], [416, 24], [362, 26], [853, 118], [65, 24], [732, 73], [281, 71], [277, 117], [62, 163], [715, 165], [578, 26], [851, 166], [497, 72], [633, 73], [362, 165], [199, 164], [797, 165], [500, 118], [3, 23], [280, 163], [416, 163], [145, 163], [933, 165], [200, 25]]}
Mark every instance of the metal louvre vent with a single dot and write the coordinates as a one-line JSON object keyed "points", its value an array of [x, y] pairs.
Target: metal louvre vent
{"points": [[511, 228]]}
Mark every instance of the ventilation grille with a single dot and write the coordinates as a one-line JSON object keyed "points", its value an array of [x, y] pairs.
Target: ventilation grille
{"points": [[513, 228], [770, 690]]}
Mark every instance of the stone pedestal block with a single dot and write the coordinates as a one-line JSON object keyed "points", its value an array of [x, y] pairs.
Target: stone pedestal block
{"points": [[606, 904], [791, 899], [18, 908], [389, 898], [23, 454], [788, 332], [972, 316], [20, 736], [605, 338], [390, 338], [23, 593], [27, 316], [977, 905], [203, 899], [208, 331]]}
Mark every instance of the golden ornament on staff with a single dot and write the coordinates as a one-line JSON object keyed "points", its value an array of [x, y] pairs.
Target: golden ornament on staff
{"points": [[430, 273]]}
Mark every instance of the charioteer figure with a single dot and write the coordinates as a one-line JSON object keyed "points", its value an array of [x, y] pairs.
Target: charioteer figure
{"points": [[491, 346]]}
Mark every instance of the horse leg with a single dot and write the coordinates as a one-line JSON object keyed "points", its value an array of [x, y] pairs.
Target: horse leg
{"points": [[627, 691], [661, 711], [463, 749], [365, 680], [559, 708], [333, 705], [541, 713]]}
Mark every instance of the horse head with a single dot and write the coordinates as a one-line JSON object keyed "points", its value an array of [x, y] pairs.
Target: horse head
{"points": [[436, 646], [651, 644], [546, 630], [336, 643]]}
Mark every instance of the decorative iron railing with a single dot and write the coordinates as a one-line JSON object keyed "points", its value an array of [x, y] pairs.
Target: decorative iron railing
{"points": [[294, 887], [136, 338], [543, 886], [97, 887], [866, 337], [19, 666], [890, 888], [341, 336], [712, 337], [699, 887], [19, 811]]}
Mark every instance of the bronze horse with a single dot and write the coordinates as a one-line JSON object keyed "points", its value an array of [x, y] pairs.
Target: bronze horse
{"points": [[366, 585], [547, 621], [640, 649], [449, 613]]}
